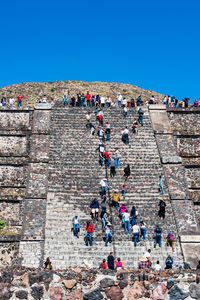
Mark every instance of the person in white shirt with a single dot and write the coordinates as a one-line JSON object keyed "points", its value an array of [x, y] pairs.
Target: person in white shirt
{"points": [[157, 266], [119, 99], [125, 112], [88, 119], [136, 233], [126, 217], [103, 100], [108, 233], [148, 254], [11, 101], [125, 133], [103, 184], [124, 102]]}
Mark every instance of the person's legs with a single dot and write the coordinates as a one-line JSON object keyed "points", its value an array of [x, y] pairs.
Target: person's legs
{"points": [[116, 206], [93, 213], [125, 226], [144, 233], [86, 238], [159, 239], [117, 162], [90, 238], [155, 241], [96, 213], [119, 103], [103, 223], [135, 239], [108, 137], [162, 192], [107, 237], [173, 248], [128, 226], [123, 193]]}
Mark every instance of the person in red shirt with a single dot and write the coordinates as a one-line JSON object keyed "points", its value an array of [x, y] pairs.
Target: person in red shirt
{"points": [[88, 98], [88, 234], [195, 103], [103, 265], [19, 100]]}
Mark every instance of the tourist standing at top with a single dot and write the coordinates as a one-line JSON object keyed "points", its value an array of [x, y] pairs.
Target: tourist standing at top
{"points": [[19, 100], [119, 99], [88, 98]]}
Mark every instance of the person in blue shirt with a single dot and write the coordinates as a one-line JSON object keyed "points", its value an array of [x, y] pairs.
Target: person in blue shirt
{"points": [[157, 236], [95, 208], [112, 168], [169, 262]]}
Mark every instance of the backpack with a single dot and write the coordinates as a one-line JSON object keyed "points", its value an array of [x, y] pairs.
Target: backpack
{"points": [[162, 205], [158, 230], [168, 261]]}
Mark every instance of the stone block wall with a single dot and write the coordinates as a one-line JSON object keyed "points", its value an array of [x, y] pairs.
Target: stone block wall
{"points": [[24, 155]]}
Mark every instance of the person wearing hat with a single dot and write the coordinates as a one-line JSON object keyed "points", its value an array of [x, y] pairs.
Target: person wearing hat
{"points": [[143, 264], [170, 240], [104, 219], [108, 233], [76, 224]]}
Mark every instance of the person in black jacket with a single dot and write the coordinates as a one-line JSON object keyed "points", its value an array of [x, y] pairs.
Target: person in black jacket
{"points": [[162, 205], [111, 261], [127, 172]]}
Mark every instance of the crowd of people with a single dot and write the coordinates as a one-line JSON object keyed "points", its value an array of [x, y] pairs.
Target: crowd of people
{"points": [[89, 100], [130, 221]]}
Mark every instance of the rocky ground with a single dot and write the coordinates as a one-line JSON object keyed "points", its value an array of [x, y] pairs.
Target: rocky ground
{"points": [[55, 90], [93, 284]]}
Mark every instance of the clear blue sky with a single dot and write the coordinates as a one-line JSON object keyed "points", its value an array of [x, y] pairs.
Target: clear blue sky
{"points": [[152, 44]]}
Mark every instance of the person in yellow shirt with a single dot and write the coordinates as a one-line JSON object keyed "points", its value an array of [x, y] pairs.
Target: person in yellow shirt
{"points": [[115, 200]]}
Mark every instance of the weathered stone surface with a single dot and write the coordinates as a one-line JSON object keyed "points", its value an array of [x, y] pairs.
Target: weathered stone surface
{"points": [[14, 120], [188, 147], [13, 146], [55, 293], [123, 283], [11, 176], [135, 291], [37, 184], [194, 291], [94, 295], [167, 149], [41, 121], [159, 292], [160, 121], [175, 177], [5, 292], [33, 212], [69, 284], [75, 295], [170, 284], [114, 293], [191, 251], [21, 294], [192, 177], [184, 123], [39, 149], [106, 282], [42, 106], [37, 292], [176, 293]]}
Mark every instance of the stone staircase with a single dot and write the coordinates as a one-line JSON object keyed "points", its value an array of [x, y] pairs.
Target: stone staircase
{"points": [[74, 177]]}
